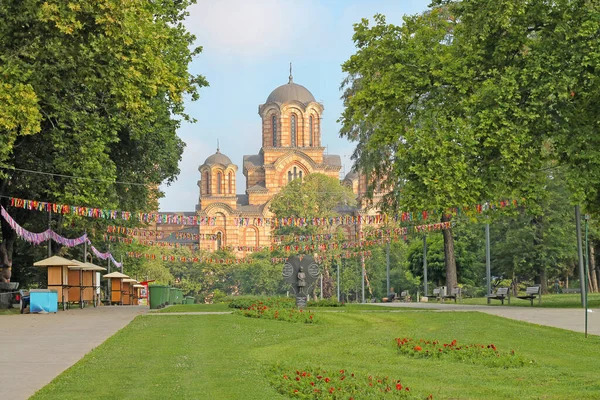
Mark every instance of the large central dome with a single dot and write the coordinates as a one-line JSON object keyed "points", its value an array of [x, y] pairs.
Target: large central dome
{"points": [[291, 92]]}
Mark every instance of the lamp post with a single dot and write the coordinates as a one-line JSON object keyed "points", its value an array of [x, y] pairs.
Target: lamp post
{"points": [[587, 266], [425, 265]]}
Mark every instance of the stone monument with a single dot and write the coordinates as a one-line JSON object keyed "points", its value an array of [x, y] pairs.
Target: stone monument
{"points": [[301, 272]]}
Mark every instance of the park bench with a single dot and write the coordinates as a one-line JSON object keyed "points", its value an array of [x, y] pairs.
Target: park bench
{"points": [[405, 296], [454, 294], [437, 293], [531, 293], [24, 300], [501, 294], [390, 298], [573, 290]]}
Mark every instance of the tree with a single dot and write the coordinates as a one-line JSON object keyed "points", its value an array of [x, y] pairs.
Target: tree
{"points": [[101, 88], [317, 195]]}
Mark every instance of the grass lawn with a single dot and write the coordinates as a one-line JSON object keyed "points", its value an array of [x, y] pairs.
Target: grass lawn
{"points": [[571, 300], [9, 311], [229, 356]]}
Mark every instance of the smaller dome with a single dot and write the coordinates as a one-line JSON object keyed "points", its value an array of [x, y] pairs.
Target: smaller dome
{"points": [[352, 175], [218, 158]]}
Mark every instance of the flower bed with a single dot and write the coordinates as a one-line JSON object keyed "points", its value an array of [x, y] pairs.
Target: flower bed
{"points": [[262, 310], [488, 355], [316, 383]]}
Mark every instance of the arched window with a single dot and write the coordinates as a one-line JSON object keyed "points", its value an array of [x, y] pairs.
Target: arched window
{"points": [[219, 179], [274, 126], [206, 183], [219, 240], [293, 130], [230, 179], [294, 173], [310, 131]]}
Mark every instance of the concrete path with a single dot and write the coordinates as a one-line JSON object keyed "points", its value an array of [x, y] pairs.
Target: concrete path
{"points": [[572, 319], [36, 348]]}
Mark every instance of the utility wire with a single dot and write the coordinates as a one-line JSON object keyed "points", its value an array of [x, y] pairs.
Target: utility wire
{"points": [[6, 167]]}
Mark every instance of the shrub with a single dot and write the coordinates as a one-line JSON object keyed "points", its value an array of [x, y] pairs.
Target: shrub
{"points": [[326, 303], [262, 310], [245, 302]]}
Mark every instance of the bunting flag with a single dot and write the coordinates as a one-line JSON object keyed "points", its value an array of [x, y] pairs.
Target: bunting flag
{"points": [[37, 238], [177, 219], [135, 232]]}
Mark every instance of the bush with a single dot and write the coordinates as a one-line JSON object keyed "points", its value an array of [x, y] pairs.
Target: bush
{"points": [[275, 311], [326, 303], [245, 302]]}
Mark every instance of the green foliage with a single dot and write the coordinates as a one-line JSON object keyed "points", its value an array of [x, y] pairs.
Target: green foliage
{"points": [[95, 90], [245, 302], [325, 303], [277, 309]]}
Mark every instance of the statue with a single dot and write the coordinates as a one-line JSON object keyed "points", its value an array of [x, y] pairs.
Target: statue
{"points": [[302, 283], [301, 280]]}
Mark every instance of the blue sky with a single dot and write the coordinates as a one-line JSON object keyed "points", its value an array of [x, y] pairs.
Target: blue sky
{"points": [[248, 45]]}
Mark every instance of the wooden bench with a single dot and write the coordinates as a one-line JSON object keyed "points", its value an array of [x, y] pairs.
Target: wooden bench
{"points": [[531, 293], [501, 294], [390, 298], [454, 294], [405, 296], [437, 293]]}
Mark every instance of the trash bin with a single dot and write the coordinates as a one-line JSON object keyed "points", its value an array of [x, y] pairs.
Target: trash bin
{"points": [[190, 300], [159, 296], [180, 296], [43, 301], [174, 296]]}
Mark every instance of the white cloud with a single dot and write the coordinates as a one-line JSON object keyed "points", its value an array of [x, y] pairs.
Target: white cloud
{"points": [[256, 28]]}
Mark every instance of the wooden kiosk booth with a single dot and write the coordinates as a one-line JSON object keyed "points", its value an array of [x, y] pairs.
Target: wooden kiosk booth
{"points": [[128, 291], [83, 282], [116, 286], [58, 276], [136, 293], [93, 292]]}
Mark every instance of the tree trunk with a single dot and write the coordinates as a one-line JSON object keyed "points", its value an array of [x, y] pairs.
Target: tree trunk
{"points": [[6, 247], [593, 275], [449, 260]]}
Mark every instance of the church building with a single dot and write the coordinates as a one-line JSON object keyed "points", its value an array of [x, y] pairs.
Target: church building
{"points": [[291, 149]]}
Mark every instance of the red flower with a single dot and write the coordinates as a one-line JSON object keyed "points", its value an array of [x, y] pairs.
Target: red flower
{"points": [[453, 343], [342, 378], [327, 380], [285, 377], [418, 348], [331, 390], [312, 384], [319, 376], [398, 386], [295, 390], [304, 373], [310, 317], [341, 371], [297, 378]]}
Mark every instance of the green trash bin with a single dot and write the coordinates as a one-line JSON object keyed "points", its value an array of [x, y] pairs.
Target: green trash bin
{"points": [[159, 295], [190, 300], [172, 296], [180, 296]]}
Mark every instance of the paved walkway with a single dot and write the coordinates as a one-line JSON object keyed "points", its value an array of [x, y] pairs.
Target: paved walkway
{"points": [[36, 348], [572, 319]]}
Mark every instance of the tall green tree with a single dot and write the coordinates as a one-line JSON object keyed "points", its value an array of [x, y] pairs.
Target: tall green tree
{"points": [[316, 195], [96, 91]]}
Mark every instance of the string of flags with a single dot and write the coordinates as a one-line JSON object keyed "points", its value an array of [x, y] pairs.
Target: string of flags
{"points": [[178, 219], [37, 238]]}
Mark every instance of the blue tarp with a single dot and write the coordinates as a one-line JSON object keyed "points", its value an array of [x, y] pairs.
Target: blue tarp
{"points": [[43, 301]]}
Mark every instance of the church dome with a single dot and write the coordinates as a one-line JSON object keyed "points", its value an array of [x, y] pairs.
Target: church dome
{"points": [[352, 175], [290, 92], [218, 158]]}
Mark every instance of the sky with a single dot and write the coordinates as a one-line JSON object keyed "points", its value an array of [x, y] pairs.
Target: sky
{"points": [[247, 48]]}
